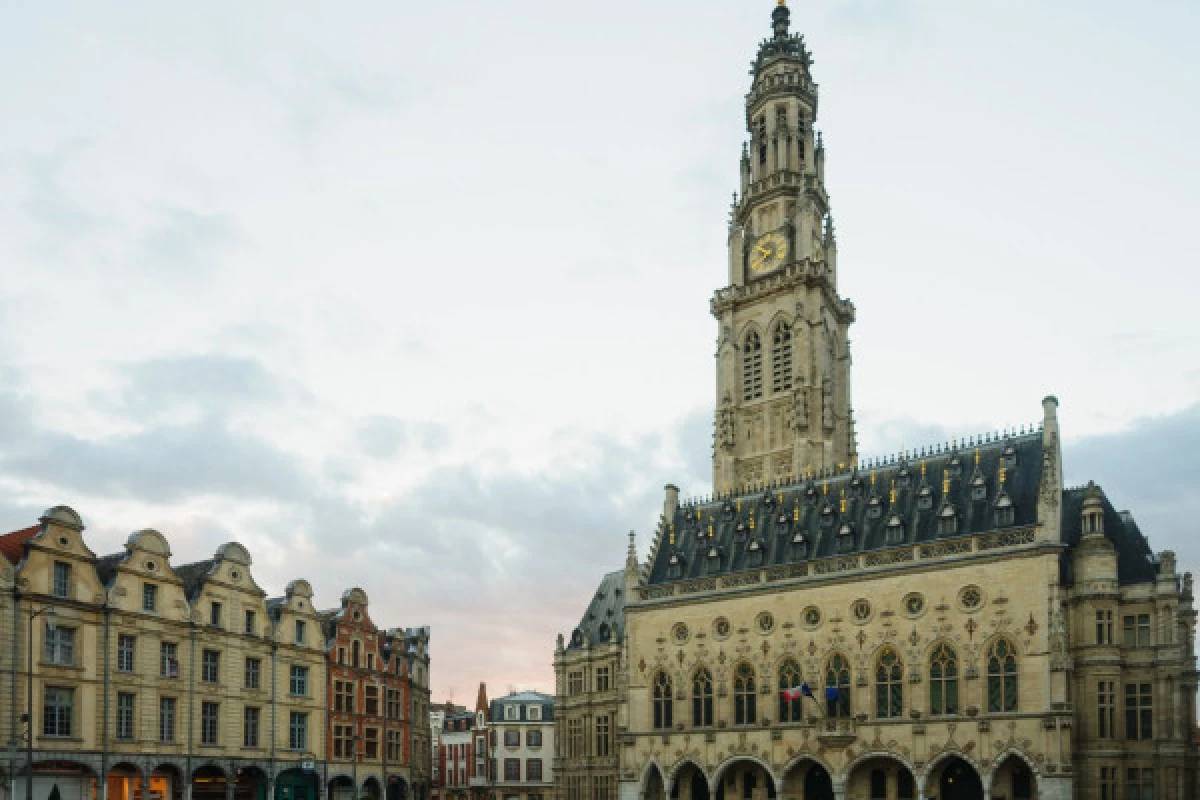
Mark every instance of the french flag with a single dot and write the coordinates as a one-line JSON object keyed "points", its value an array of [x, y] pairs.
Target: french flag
{"points": [[796, 692]]}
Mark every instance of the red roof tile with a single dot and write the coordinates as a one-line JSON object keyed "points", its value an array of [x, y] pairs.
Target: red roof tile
{"points": [[12, 544]]}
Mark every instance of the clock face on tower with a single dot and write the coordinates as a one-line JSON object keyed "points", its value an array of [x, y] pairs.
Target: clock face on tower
{"points": [[768, 253]]}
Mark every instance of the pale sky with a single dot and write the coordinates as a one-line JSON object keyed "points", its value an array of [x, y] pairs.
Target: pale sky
{"points": [[414, 297]]}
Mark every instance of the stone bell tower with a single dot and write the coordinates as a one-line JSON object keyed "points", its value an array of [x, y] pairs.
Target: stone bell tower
{"points": [[783, 353]]}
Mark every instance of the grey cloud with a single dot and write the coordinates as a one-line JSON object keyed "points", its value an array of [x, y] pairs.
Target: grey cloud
{"points": [[187, 242], [214, 383], [384, 436]]}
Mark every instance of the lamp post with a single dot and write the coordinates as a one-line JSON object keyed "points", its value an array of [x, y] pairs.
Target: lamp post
{"points": [[49, 612]]}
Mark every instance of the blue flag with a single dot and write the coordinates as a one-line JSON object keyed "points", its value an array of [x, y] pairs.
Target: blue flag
{"points": [[807, 692], [831, 693]]}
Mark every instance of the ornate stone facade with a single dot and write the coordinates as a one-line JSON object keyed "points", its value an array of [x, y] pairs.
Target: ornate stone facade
{"points": [[950, 623]]}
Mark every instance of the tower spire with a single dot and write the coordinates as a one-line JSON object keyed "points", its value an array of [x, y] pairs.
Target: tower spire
{"points": [[781, 19]]}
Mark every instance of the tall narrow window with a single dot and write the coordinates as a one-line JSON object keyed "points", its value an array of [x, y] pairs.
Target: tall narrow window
{"points": [[837, 678], [1108, 783], [125, 652], [889, 686], [744, 696], [125, 715], [1105, 710], [791, 703], [781, 358], [752, 377], [166, 719], [209, 723], [60, 645], [298, 731], [250, 720], [702, 698], [149, 597], [1139, 711], [943, 681], [1104, 627], [62, 579], [603, 735], [662, 701], [1002, 677]]}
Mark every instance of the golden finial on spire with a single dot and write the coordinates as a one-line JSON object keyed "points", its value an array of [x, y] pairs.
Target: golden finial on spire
{"points": [[892, 493], [843, 504], [922, 468], [977, 456], [872, 477], [796, 511], [710, 526], [945, 482], [739, 505], [781, 2], [752, 520], [1002, 476], [672, 536]]}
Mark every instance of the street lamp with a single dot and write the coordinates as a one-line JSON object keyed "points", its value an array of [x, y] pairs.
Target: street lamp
{"points": [[50, 613]]}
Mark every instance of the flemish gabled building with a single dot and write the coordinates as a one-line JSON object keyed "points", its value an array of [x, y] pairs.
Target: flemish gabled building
{"points": [[154, 680], [965, 626], [370, 730]]}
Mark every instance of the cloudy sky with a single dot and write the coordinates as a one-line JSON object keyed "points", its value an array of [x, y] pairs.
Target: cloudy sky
{"points": [[415, 296]]}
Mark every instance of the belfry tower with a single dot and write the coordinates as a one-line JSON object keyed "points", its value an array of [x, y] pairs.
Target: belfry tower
{"points": [[783, 356]]}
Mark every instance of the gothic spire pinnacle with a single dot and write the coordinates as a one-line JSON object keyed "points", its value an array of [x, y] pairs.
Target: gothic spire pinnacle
{"points": [[781, 19]]}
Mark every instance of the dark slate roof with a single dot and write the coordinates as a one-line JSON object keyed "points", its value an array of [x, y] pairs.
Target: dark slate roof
{"points": [[522, 700], [782, 44], [106, 567], [604, 620], [275, 606], [193, 576], [1135, 560], [759, 529]]}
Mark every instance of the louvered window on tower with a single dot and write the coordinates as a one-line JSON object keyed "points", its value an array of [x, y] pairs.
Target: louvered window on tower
{"points": [[752, 377], [781, 358]]}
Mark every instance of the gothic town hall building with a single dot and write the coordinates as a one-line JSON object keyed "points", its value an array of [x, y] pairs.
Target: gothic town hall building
{"points": [[956, 624]]}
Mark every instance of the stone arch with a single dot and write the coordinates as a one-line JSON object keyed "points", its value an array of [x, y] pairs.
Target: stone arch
{"points": [[797, 773], [860, 773], [1003, 759], [340, 786], [650, 789], [928, 779], [371, 788], [679, 770], [719, 773], [173, 773], [208, 781]]}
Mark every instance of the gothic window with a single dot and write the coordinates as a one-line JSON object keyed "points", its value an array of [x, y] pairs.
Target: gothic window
{"points": [[1002, 676], [702, 698], [837, 678], [924, 499], [752, 377], [781, 358], [762, 140], [943, 681], [889, 685], [662, 702], [744, 696], [790, 707]]}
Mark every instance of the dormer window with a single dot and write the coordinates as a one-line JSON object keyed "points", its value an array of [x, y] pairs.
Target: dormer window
{"points": [[874, 507], [903, 478], [576, 641], [947, 520], [856, 488], [895, 530], [811, 495], [925, 499], [827, 516], [1009, 458], [978, 488], [799, 546], [1003, 513], [714, 560], [754, 554], [675, 567], [845, 539], [605, 630], [954, 468]]}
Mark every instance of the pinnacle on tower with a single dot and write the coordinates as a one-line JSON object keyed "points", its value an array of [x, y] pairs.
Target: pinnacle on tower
{"points": [[781, 19]]}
